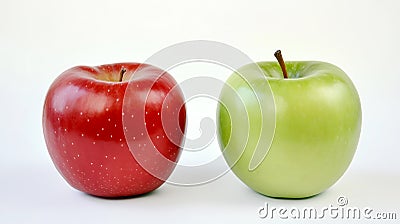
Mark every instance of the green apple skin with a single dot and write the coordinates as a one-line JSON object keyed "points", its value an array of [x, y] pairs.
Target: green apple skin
{"points": [[317, 127]]}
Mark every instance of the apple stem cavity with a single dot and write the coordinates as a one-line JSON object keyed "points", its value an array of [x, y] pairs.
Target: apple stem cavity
{"points": [[278, 56], [121, 73]]}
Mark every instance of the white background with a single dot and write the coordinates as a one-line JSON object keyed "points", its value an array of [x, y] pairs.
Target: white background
{"points": [[40, 39]]}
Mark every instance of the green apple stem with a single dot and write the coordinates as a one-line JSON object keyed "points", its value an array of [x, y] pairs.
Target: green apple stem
{"points": [[278, 55], [121, 74]]}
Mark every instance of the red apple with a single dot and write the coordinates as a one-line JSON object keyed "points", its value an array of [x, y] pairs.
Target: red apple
{"points": [[98, 122]]}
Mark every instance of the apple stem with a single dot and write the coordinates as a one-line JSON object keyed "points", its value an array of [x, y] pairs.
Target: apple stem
{"points": [[121, 73], [278, 55]]}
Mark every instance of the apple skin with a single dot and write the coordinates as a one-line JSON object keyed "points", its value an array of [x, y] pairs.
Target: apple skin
{"points": [[317, 127], [83, 128]]}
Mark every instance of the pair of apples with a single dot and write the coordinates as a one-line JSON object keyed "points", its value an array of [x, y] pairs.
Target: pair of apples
{"points": [[117, 130]]}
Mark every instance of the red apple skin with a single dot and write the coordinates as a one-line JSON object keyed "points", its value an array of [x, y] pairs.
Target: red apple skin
{"points": [[84, 129]]}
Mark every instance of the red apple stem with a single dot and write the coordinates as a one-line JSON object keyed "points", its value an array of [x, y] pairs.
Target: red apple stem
{"points": [[121, 73], [278, 56]]}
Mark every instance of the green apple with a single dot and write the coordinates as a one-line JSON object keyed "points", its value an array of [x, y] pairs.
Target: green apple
{"points": [[292, 131]]}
